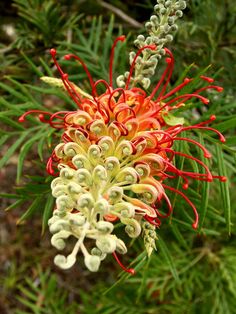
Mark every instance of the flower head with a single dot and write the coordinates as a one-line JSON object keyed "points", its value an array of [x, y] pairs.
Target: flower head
{"points": [[116, 159]]}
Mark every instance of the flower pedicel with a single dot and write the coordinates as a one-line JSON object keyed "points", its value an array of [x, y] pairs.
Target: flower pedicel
{"points": [[116, 159]]}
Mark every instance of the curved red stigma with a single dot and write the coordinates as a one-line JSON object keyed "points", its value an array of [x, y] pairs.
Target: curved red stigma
{"points": [[120, 38], [128, 270], [152, 47], [69, 56], [195, 224], [69, 87], [206, 78], [41, 113], [205, 151]]}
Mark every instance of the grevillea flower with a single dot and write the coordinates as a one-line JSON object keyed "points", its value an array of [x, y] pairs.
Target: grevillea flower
{"points": [[115, 162]]}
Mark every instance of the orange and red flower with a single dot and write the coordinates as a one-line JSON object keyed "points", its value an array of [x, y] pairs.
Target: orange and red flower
{"points": [[116, 159]]}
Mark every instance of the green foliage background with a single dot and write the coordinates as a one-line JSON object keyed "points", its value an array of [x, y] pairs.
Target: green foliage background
{"points": [[190, 272]]}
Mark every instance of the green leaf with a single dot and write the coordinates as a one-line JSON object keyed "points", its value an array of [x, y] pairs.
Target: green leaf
{"points": [[8, 195], [171, 120], [46, 67], [226, 125], [231, 140], [204, 191], [12, 149], [175, 229], [167, 255], [28, 294], [224, 186], [14, 205], [31, 210], [3, 139], [24, 150], [47, 213], [10, 122], [33, 66], [12, 91], [23, 90]]}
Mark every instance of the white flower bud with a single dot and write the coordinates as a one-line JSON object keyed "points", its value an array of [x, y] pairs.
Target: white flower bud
{"points": [[166, 28], [98, 127], [163, 11], [80, 161], [107, 244], [101, 206], [115, 194], [74, 188], [182, 5], [128, 175], [71, 149], [99, 173], [131, 57], [56, 181], [67, 173], [133, 228], [57, 239], [148, 26], [112, 165], [125, 209], [146, 82], [104, 227], [77, 219], [169, 38], [97, 252], [126, 74], [171, 20], [168, 3], [156, 8], [59, 190], [154, 19], [59, 225], [59, 150], [174, 28], [179, 13], [123, 149], [92, 262], [120, 81], [149, 40], [107, 145], [143, 170], [53, 219], [64, 202], [85, 201], [120, 246], [141, 38], [94, 153], [83, 177], [64, 262]]}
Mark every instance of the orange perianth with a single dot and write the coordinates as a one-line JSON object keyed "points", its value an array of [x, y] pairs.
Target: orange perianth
{"points": [[111, 218]]}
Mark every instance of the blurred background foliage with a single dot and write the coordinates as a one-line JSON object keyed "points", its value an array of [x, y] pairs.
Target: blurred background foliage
{"points": [[191, 272]]}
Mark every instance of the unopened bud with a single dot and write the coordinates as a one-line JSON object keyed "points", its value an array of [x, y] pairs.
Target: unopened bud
{"points": [[92, 262]]}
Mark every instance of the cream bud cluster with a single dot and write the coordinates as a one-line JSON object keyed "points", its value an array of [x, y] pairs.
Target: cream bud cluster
{"points": [[160, 29]]}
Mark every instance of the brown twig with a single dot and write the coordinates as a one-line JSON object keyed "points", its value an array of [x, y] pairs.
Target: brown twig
{"points": [[121, 14]]}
